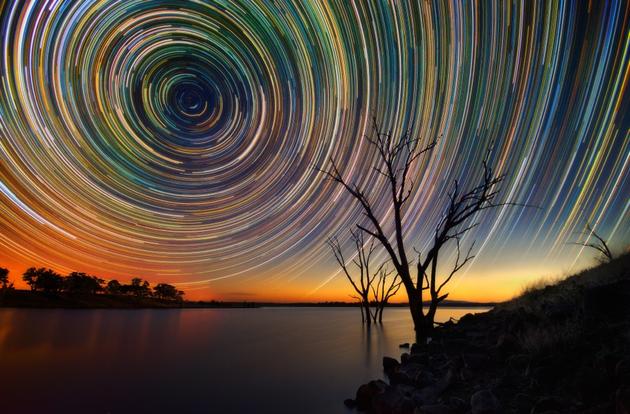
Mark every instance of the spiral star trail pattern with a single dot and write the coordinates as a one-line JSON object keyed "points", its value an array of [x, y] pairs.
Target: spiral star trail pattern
{"points": [[177, 140]]}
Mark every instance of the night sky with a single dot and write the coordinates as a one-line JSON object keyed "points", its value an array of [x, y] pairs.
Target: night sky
{"points": [[178, 140]]}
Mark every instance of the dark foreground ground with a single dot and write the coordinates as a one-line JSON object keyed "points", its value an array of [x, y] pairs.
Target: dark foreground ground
{"points": [[557, 349]]}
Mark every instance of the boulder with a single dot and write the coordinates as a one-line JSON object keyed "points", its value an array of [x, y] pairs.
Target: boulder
{"points": [[475, 361], [622, 400], [507, 344], [426, 396], [518, 362], [399, 377], [390, 365], [419, 358], [622, 371], [549, 404], [367, 392], [609, 302], [466, 320], [436, 409], [392, 402], [417, 348], [484, 402], [350, 403], [411, 369], [424, 378]]}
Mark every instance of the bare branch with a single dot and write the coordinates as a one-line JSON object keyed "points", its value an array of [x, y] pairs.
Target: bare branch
{"points": [[600, 244]]}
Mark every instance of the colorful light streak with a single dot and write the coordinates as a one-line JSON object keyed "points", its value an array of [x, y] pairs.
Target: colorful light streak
{"points": [[176, 140]]}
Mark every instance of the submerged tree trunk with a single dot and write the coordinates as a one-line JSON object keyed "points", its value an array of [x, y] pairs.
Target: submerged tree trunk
{"points": [[362, 313], [368, 313]]}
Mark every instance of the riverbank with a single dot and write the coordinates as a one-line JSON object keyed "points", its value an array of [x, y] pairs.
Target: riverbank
{"points": [[555, 349], [16, 298]]}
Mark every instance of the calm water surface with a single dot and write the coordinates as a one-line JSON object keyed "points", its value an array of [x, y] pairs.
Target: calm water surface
{"points": [[269, 360]]}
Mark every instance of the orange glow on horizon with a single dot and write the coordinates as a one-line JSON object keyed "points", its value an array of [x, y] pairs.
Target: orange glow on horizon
{"points": [[479, 286]]}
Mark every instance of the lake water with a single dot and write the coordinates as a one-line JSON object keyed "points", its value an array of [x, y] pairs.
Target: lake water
{"points": [[267, 360]]}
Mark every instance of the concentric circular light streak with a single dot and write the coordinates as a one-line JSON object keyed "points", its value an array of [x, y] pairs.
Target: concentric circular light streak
{"points": [[178, 140]]}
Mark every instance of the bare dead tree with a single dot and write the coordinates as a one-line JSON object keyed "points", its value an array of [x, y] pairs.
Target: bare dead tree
{"points": [[384, 290], [599, 244], [362, 279], [395, 160]]}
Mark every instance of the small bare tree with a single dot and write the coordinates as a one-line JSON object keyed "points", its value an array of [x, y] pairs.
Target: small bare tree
{"points": [[363, 281], [395, 160], [384, 289], [598, 244]]}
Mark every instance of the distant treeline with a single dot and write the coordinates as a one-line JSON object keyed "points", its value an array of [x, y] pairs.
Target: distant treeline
{"points": [[79, 283]]}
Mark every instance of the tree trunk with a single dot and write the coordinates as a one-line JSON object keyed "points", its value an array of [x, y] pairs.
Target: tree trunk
{"points": [[419, 320], [430, 316], [368, 314]]}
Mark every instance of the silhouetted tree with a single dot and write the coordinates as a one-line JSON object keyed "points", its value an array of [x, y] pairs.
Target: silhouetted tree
{"points": [[81, 283], [363, 281], [166, 291], [598, 244], [30, 276], [114, 287], [49, 281], [4, 278], [140, 287], [395, 159], [384, 289]]}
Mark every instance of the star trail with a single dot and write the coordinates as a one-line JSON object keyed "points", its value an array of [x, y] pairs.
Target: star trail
{"points": [[179, 140]]}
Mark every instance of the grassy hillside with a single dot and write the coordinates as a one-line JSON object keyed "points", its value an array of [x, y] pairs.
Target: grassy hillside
{"points": [[562, 348]]}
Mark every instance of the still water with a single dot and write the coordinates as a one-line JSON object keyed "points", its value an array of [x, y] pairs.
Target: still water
{"points": [[268, 360]]}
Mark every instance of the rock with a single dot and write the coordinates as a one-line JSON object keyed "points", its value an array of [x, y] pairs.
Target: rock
{"points": [[622, 400], [426, 396], [367, 392], [518, 362], [547, 375], [458, 404], [424, 378], [484, 402], [419, 358], [506, 344], [609, 302], [466, 319], [436, 409], [405, 345], [390, 365], [549, 404], [399, 377], [417, 348], [405, 390], [392, 402], [350, 403], [476, 361], [592, 384], [523, 403], [622, 371], [411, 369]]}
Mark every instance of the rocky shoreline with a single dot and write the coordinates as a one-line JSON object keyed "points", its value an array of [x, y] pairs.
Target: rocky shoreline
{"points": [[559, 349]]}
